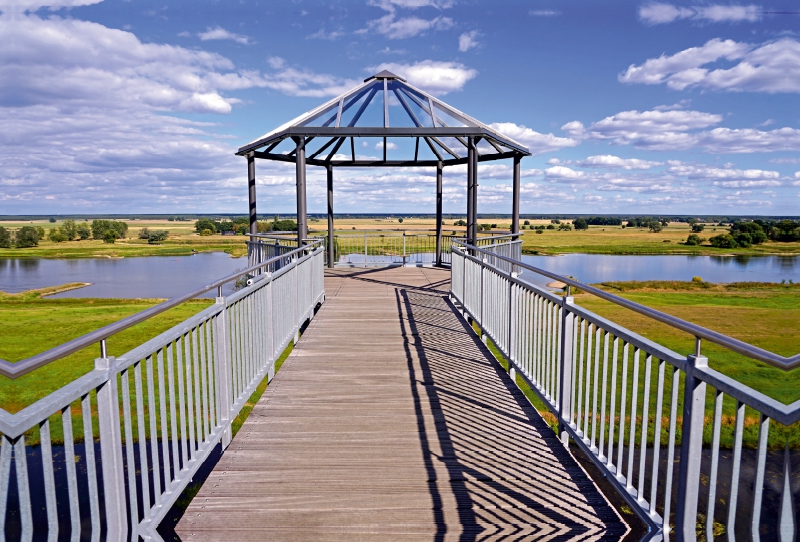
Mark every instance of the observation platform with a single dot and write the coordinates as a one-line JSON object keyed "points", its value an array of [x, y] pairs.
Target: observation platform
{"points": [[391, 420]]}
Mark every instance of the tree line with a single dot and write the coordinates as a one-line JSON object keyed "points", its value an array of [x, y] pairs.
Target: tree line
{"points": [[241, 225], [29, 236]]}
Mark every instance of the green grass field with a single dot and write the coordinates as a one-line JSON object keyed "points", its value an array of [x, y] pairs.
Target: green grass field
{"points": [[596, 240]]}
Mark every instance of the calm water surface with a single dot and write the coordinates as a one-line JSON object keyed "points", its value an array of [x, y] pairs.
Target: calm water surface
{"points": [[163, 277], [151, 276], [593, 268]]}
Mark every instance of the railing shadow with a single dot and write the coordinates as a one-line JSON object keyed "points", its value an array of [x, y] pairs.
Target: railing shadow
{"points": [[486, 445]]}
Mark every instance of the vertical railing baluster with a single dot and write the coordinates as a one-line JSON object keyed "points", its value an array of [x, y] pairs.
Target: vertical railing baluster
{"points": [[91, 466], [657, 436], [49, 480], [758, 486], [23, 488], [632, 437], [598, 336], [6, 449], [133, 501], [567, 328], [623, 405], [712, 482], [143, 463], [613, 412], [166, 460], [673, 417], [183, 443], [587, 406], [648, 361], [223, 372], [600, 453], [72, 475]]}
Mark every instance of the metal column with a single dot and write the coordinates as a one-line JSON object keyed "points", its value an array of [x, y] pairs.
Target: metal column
{"points": [[251, 191], [472, 173], [471, 228], [330, 216], [300, 161], [515, 196], [439, 214]]}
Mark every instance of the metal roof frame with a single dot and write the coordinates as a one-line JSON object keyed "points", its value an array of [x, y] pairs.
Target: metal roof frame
{"points": [[325, 122]]}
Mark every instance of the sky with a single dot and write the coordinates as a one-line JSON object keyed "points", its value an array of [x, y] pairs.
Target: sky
{"points": [[678, 108]]}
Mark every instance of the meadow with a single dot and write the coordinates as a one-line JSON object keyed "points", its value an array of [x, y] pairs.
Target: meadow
{"points": [[184, 240]]}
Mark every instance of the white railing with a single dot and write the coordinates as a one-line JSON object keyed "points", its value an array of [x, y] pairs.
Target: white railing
{"points": [[161, 410], [650, 419]]}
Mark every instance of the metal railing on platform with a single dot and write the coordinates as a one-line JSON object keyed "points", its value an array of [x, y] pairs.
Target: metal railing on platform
{"points": [[377, 249], [160, 409], [650, 419]]}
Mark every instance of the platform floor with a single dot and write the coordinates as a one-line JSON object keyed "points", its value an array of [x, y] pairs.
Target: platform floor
{"points": [[391, 420]]}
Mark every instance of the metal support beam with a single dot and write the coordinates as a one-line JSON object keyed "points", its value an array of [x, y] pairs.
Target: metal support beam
{"points": [[470, 152], [515, 196], [438, 214], [331, 255], [472, 192], [302, 220], [251, 192]]}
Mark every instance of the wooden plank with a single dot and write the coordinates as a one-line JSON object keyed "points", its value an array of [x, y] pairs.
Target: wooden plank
{"points": [[391, 420]]}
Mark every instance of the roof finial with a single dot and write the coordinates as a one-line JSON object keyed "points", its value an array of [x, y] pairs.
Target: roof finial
{"points": [[385, 74]]}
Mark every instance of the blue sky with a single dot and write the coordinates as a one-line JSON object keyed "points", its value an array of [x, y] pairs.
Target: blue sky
{"points": [[627, 107]]}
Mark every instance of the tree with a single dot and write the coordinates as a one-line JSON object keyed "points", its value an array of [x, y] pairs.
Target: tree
{"points": [[551, 227], [57, 235], [105, 229], [157, 236], [655, 226], [564, 227], [693, 240], [284, 225], [205, 224], [52, 220], [400, 220], [84, 231], [725, 240], [69, 229], [40, 233], [697, 228], [580, 224], [27, 237], [555, 221], [786, 231], [527, 222], [144, 233], [5, 238]]}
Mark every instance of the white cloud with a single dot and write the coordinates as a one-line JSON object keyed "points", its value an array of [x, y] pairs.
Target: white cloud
{"points": [[436, 77], [660, 13], [771, 67], [408, 27], [220, 33], [727, 177], [536, 142], [322, 35], [543, 13], [563, 173], [33, 5], [608, 161], [389, 146], [390, 5], [628, 126], [468, 40]]}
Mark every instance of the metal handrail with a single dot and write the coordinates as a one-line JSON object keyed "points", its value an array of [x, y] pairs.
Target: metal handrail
{"points": [[736, 345], [20, 368]]}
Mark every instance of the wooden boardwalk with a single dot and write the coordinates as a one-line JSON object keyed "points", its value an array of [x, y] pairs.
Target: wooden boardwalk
{"points": [[392, 421]]}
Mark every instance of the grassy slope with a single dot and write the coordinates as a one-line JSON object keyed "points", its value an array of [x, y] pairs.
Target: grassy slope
{"points": [[32, 324]]}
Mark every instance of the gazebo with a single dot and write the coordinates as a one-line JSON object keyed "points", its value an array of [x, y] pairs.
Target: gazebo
{"points": [[411, 128]]}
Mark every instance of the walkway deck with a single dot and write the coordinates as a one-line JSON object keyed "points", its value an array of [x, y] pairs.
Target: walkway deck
{"points": [[391, 421]]}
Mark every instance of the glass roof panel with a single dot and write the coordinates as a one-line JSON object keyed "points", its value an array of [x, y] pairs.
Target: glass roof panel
{"points": [[400, 114], [444, 118], [486, 148], [353, 108], [372, 115]]}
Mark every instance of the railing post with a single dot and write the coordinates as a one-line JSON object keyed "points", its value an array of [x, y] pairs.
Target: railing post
{"points": [[223, 370], [404, 249], [512, 320], [694, 405], [480, 313], [296, 303], [111, 451], [365, 249], [565, 363]]}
